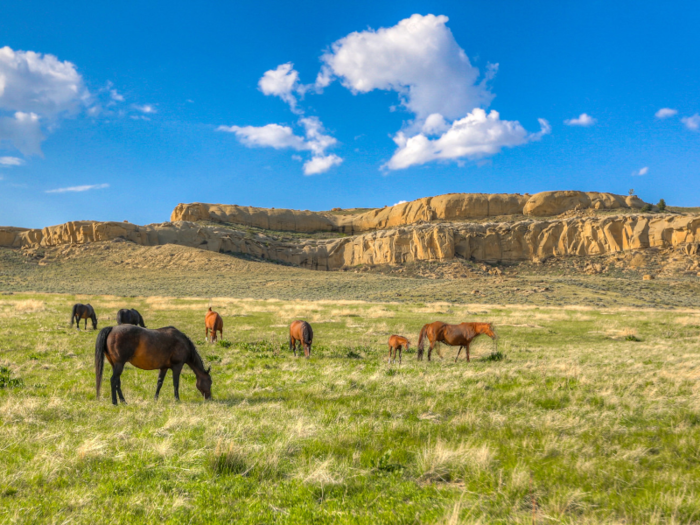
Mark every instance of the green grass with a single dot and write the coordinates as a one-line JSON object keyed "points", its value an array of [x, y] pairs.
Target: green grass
{"points": [[564, 412]]}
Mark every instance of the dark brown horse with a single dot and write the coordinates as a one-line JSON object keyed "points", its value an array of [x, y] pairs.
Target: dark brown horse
{"points": [[214, 323], [131, 316], [83, 311], [300, 331], [161, 349], [396, 342], [454, 335]]}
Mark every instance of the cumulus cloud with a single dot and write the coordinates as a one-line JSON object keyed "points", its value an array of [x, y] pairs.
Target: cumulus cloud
{"points": [[665, 113], [475, 136], [41, 84], [692, 123], [283, 137], [641, 172], [321, 164], [23, 132], [79, 188], [6, 162], [282, 82], [583, 120], [35, 89], [418, 58]]}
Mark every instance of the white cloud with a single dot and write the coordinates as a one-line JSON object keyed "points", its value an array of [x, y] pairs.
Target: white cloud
{"points": [[146, 108], [692, 123], [116, 96], [321, 164], [35, 89], [79, 188], [418, 58], [282, 82], [41, 84], [282, 137], [583, 120], [641, 172], [6, 162], [400, 202], [475, 136], [665, 113], [23, 132], [271, 135]]}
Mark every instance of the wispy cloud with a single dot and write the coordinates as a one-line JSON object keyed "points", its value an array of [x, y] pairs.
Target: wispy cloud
{"points": [[692, 123], [146, 108], [6, 162], [641, 172], [666, 113], [86, 187], [583, 120]]}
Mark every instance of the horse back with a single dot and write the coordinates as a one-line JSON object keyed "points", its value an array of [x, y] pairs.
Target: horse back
{"points": [[148, 349]]}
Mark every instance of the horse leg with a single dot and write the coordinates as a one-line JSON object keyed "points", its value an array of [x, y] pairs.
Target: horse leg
{"points": [[176, 380], [161, 377], [430, 349], [117, 369], [86, 323], [467, 352], [206, 334], [458, 351], [400, 352]]}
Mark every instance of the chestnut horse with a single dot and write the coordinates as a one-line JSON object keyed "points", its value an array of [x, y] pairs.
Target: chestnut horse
{"points": [[213, 322], [132, 316], [454, 335], [162, 349], [396, 342], [300, 331], [83, 311]]}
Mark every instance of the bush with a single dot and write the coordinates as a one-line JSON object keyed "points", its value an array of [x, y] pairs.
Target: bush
{"points": [[632, 338], [6, 381], [495, 356], [646, 208], [661, 205]]}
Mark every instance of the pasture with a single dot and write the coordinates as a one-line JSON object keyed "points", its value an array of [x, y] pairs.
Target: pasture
{"points": [[583, 415]]}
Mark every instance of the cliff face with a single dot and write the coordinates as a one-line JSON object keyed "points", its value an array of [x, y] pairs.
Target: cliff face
{"points": [[450, 207], [525, 240]]}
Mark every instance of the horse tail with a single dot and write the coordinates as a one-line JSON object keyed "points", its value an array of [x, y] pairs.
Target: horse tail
{"points": [[73, 314], [420, 339], [100, 349]]}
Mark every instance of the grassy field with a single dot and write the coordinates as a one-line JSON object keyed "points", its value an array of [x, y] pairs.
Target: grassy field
{"points": [[584, 415]]}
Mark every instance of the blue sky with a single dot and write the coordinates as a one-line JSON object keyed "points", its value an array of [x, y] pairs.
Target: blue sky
{"points": [[154, 103]]}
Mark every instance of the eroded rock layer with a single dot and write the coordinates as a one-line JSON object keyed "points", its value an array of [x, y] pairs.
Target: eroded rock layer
{"points": [[494, 242], [450, 207]]}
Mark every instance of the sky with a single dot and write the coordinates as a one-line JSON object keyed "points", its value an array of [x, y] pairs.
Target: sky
{"points": [[121, 111]]}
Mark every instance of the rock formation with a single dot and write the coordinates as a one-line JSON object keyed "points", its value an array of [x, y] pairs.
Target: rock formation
{"points": [[450, 207], [493, 242]]}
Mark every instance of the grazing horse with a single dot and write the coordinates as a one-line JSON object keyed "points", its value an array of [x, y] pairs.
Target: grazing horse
{"points": [[213, 322], [132, 316], [162, 349], [396, 342], [300, 331], [83, 311], [454, 335]]}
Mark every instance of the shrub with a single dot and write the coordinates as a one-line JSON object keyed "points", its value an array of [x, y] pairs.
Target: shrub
{"points": [[646, 208], [9, 382], [632, 338], [661, 205], [495, 356]]}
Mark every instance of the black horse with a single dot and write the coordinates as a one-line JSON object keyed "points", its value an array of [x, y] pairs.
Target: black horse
{"points": [[83, 311], [132, 316], [161, 349]]}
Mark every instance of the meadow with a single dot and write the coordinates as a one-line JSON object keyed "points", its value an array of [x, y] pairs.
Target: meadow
{"points": [[580, 414]]}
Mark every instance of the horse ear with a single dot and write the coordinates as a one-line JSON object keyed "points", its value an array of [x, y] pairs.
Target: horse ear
{"points": [[208, 370]]}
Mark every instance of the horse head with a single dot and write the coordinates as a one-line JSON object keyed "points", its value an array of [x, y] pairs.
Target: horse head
{"points": [[491, 331], [204, 383]]}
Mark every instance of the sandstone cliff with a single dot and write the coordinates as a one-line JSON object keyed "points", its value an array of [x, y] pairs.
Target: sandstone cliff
{"points": [[525, 240], [450, 207]]}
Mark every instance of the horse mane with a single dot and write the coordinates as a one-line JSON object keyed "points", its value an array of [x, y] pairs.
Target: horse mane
{"points": [[307, 333], [195, 354]]}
